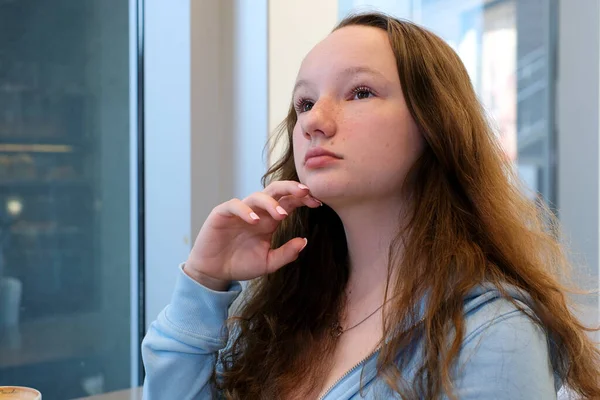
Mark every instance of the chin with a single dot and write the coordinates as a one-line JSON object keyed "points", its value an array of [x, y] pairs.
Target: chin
{"points": [[327, 190], [331, 185]]}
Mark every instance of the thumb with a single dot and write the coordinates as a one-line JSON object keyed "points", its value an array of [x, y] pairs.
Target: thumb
{"points": [[285, 254]]}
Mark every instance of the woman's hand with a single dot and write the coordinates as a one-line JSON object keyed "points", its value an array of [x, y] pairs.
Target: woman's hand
{"points": [[235, 240]]}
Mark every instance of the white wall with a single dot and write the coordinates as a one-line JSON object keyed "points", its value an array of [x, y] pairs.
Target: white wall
{"points": [[211, 56], [578, 111], [250, 94], [167, 147]]}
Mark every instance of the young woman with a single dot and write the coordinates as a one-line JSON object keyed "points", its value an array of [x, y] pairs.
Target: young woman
{"points": [[391, 253]]}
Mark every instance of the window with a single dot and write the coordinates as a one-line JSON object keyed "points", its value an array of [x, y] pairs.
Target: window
{"points": [[66, 226]]}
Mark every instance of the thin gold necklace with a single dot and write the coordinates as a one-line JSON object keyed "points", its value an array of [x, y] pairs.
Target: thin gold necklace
{"points": [[337, 330]]}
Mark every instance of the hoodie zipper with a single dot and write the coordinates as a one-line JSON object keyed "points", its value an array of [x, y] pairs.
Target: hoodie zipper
{"points": [[330, 388], [358, 365]]}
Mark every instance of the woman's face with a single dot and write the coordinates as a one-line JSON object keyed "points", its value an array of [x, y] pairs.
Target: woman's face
{"points": [[349, 102]]}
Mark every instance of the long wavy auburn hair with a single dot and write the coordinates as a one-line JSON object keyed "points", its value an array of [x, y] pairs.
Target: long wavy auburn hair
{"points": [[469, 222]]}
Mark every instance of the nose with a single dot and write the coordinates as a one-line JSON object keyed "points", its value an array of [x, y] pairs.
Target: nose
{"points": [[320, 120]]}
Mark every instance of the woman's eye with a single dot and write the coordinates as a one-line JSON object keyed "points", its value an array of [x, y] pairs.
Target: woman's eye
{"points": [[304, 106], [307, 106], [362, 93]]}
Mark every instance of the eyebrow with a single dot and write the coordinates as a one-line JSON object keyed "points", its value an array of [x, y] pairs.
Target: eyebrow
{"points": [[346, 72]]}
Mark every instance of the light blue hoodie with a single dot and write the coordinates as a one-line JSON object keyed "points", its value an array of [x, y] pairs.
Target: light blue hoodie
{"points": [[504, 354]]}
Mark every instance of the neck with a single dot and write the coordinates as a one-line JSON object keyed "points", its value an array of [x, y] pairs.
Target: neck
{"points": [[370, 228]]}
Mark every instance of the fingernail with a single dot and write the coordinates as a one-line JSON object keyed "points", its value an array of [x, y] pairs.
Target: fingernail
{"points": [[318, 201], [254, 216], [281, 211], [301, 186], [305, 243]]}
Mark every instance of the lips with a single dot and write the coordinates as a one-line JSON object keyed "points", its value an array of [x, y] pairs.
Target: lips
{"points": [[319, 152], [318, 157]]}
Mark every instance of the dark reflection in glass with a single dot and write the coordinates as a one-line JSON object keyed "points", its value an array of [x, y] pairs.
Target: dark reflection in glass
{"points": [[64, 196]]}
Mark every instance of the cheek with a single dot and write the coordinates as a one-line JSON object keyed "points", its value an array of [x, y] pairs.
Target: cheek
{"points": [[386, 138]]}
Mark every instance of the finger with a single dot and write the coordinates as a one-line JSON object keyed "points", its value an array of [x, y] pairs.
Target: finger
{"points": [[279, 189], [285, 254], [290, 203], [260, 201], [238, 208]]}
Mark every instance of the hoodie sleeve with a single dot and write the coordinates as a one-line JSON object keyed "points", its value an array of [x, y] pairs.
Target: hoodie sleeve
{"points": [[180, 347], [505, 355]]}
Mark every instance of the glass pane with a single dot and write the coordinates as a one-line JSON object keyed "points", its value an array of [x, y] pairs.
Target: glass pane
{"points": [[64, 196]]}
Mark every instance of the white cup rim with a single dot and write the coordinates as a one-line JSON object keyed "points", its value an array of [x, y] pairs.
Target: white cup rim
{"points": [[24, 388]]}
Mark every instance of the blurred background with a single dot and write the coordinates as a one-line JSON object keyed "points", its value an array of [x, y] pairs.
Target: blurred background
{"points": [[124, 122]]}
